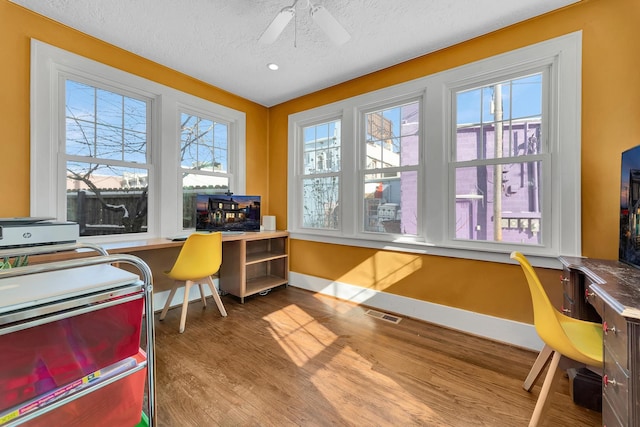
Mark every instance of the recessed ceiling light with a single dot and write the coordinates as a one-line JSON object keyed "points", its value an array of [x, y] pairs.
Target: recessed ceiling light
{"points": [[272, 66]]}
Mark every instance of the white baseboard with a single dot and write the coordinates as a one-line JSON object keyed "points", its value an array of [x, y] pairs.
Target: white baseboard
{"points": [[503, 330]]}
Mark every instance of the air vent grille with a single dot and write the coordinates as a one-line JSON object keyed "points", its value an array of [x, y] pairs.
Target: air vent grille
{"points": [[383, 316]]}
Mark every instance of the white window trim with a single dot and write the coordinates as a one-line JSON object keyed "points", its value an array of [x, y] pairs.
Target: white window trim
{"points": [[565, 55], [46, 196], [360, 113]]}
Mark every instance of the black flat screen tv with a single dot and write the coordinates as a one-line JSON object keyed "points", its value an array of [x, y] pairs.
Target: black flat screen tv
{"points": [[227, 213], [629, 250]]}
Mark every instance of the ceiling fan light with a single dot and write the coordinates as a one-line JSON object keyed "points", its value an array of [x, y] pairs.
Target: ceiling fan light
{"points": [[277, 25], [329, 25]]}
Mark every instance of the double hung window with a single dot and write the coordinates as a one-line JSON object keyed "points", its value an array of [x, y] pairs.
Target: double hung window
{"points": [[122, 155], [390, 153], [468, 162], [204, 160], [500, 160], [321, 175], [106, 137]]}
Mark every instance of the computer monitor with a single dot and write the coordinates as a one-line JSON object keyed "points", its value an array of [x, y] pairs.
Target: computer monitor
{"points": [[220, 212]]}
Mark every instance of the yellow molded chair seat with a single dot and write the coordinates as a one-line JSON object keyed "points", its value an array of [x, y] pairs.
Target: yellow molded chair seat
{"points": [[199, 259], [578, 340]]}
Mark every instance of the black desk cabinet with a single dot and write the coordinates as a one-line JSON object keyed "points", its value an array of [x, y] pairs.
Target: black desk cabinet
{"points": [[613, 290]]}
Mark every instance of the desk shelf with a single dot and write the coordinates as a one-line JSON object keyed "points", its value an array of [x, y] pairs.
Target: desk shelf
{"points": [[255, 263], [263, 257], [263, 283]]}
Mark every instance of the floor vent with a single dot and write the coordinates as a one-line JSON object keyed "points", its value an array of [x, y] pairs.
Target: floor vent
{"points": [[383, 316]]}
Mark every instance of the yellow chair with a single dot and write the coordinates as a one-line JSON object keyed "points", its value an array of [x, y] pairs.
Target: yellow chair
{"points": [[199, 258], [578, 340]]}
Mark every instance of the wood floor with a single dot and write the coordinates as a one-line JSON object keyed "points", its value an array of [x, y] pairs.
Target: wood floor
{"points": [[294, 358]]}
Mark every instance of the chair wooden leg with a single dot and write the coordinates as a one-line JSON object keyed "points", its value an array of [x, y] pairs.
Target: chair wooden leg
{"points": [[202, 298], [216, 297], [185, 305], [537, 368], [168, 303], [550, 381]]}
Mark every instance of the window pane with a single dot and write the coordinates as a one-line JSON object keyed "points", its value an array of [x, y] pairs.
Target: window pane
{"points": [[321, 152], [320, 202], [109, 142], [479, 142], [499, 120], [106, 199], [527, 96], [80, 101], [204, 144], [104, 124], [499, 203], [80, 138], [392, 136], [391, 203]]}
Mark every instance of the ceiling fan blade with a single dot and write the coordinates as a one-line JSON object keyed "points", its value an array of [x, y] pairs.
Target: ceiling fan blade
{"points": [[329, 25], [277, 25]]}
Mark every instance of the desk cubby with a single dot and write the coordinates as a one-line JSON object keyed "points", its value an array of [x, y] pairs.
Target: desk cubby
{"points": [[254, 263]]}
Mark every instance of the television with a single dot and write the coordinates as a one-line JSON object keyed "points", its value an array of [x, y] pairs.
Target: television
{"points": [[227, 213], [629, 248]]}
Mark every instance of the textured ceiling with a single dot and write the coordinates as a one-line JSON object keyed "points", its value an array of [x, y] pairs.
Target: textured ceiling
{"points": [[217, 41]]}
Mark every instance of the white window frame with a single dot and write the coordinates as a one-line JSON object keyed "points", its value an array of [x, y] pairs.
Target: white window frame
{"points": [[298, 163], [361, 112], [563, 56], [49, 65], [305, 176]]}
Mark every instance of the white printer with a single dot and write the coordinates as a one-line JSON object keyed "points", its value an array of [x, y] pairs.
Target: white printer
{"points": [[33, 231]]}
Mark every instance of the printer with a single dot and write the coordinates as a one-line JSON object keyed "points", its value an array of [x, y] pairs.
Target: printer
{"points": [[32, 231]]}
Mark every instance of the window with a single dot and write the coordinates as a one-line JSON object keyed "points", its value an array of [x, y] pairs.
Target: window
{"points": [[204, 161], [390, 153], [321, 175], [471, 162], [107, 172], [121, 155], [500, 160]]}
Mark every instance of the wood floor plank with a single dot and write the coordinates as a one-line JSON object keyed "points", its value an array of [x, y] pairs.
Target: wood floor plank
{"points": [[294, 358]]}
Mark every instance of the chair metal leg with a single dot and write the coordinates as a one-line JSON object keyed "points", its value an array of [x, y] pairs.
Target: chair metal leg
{"points": [[185, 304], [537, 368], [168, 303], [550, 381], [216, 297]]}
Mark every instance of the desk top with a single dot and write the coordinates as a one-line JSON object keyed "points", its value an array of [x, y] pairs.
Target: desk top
{"points": [[132, 246], [617, 283]]}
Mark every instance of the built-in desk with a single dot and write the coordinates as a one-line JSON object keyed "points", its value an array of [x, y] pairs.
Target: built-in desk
{"points": [[613, 289], [252, 262]]}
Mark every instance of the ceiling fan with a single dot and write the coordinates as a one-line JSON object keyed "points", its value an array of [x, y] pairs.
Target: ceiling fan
{"points": [[320, 16]]}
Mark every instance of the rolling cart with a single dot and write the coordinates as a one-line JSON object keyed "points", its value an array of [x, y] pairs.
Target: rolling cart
{"points": [[76, 340]]}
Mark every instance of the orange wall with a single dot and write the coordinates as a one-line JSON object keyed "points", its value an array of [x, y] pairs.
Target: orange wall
{"points": [[18, 25], [610, 124]]}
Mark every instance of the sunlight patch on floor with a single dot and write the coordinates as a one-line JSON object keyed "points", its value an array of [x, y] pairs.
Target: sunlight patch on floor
{"points": [[307, 342], [392, 399], [299, 334]]}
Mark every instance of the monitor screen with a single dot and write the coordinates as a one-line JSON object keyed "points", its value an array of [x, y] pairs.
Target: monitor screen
{"points": [[629, 248], [219, 212]]}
